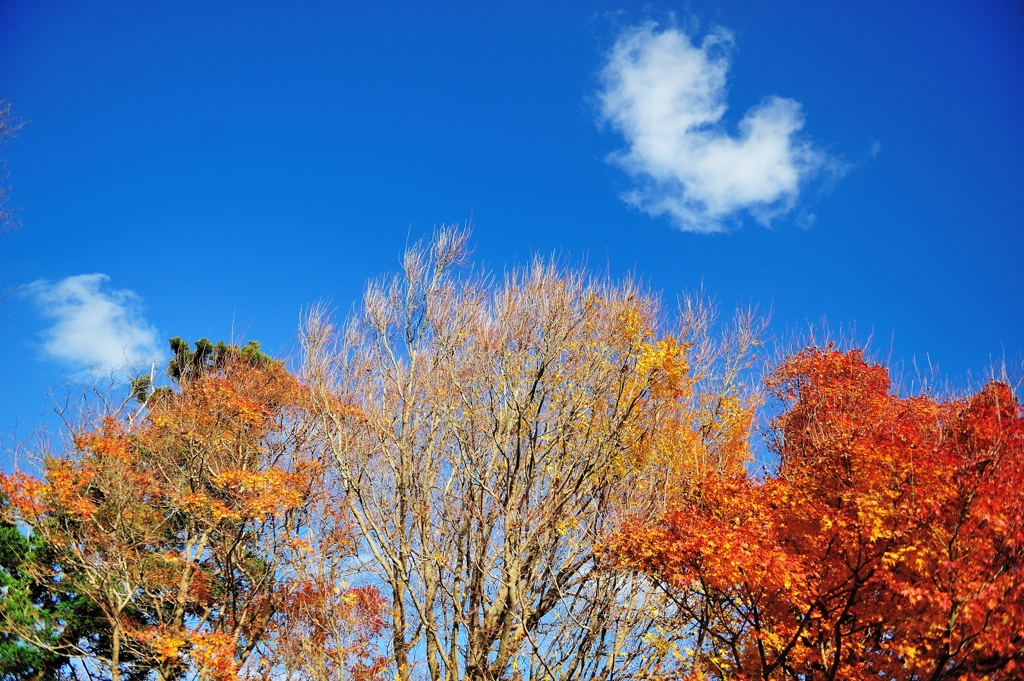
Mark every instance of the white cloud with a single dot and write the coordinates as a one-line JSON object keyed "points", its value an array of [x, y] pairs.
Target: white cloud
{"points": [[93, 328], [667, 98]]}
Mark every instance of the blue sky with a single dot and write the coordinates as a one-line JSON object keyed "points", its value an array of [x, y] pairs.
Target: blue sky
{"points": [[190, 168]]}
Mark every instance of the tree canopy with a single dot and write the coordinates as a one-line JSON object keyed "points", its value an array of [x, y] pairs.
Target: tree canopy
{"points": [[542, 476], [888, 544], [196, 534]]}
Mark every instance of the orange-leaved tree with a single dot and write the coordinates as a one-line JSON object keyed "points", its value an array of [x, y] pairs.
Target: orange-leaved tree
{"points": [[890, 543], [188, 526]]}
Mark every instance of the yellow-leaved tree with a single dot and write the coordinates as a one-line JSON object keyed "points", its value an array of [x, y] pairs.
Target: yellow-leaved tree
{"points": [[490, 430]]}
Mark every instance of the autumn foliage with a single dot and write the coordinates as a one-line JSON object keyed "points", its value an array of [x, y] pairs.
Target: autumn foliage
{"points": [[492, 430], [543, 476], [190, 526], [889, 544]]}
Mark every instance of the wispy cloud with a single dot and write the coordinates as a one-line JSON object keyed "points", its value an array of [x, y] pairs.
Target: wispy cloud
{"points": [[93, 328], [667, 97]]}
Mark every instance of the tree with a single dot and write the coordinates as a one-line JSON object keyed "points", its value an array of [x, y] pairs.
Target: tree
{"points": [[30, 604], [185, 526], [888, 545], [488, 432], [9, 126]]}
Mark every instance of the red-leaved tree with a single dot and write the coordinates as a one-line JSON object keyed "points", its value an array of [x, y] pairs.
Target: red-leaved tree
{"points": [[890, 543]]}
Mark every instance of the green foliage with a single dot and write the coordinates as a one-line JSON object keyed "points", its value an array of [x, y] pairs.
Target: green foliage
{"points": [[207, 357], [140, 388], [25, 603], [59, 618]]}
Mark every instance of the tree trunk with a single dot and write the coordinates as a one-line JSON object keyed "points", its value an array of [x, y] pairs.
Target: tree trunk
{"points": [[115, 654]]}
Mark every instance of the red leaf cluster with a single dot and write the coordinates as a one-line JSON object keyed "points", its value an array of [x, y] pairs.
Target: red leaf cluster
{"points": [[890, 544]]}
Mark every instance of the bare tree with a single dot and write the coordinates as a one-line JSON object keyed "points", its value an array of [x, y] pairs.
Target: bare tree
{"points": [[9, 126], [489, 432]]}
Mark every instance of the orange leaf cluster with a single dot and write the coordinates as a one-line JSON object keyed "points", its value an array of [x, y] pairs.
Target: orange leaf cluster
{"points": [[324, 627], [185, 529]]}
